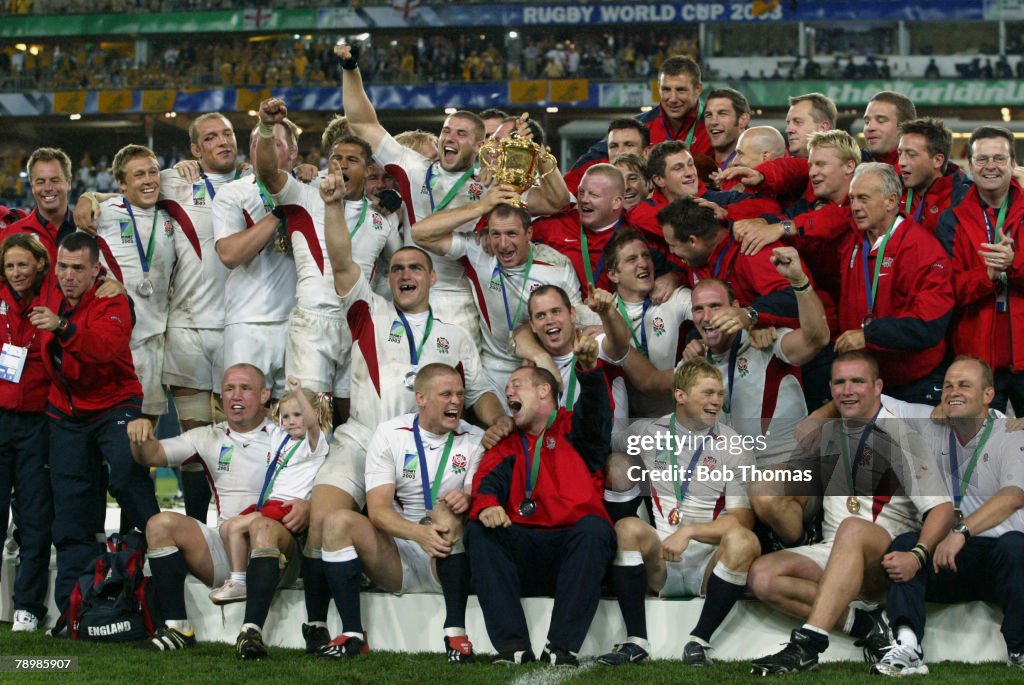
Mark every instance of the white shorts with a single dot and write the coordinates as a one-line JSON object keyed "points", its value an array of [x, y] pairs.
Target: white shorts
{"points": [[148, 356], [686, 578], [193, 358], [458, 309], [345, 467], [218, 554], [417, 571], [318, 349], [259, 344], [818, 552]]}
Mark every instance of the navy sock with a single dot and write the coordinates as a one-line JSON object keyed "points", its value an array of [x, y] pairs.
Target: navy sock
{"points": [[721, 597], [344, 577], [315, 589], [630, 586], [453, 572], [169, 573], [261, 580]]}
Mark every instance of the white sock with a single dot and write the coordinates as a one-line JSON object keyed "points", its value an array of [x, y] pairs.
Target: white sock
{"points": [[628, 558], [453, 632], [339, 555], [851, 615], [238, 577], [184, 627], [258, 629], [906, 636], [702, 643], [814, 629]]}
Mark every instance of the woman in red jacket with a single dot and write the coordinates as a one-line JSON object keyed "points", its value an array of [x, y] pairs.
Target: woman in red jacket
{"points": [[24, 387]]}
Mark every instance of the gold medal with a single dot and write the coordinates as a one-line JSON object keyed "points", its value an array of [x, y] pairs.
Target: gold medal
{"points": [[674, 517], [852, 504]]}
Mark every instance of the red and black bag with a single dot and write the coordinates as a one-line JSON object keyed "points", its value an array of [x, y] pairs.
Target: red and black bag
{"points": [[108, 604]]}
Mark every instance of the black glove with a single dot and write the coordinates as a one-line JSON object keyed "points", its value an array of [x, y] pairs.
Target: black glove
{"points": [[389, 200], [353, 61]]}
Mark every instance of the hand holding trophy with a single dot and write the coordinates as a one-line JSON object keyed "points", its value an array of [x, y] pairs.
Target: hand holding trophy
{"points": [[515, 161]]}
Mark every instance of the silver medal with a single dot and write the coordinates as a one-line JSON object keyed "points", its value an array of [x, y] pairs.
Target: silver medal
{"points": [[145, 288], [410, 378]]}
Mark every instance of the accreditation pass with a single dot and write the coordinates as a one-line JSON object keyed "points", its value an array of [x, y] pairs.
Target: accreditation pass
{"points": [[28, 664], [12, 362]]}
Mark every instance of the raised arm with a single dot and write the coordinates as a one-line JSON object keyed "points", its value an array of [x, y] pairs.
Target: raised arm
{"points": [[434, 232], [802, 344], [309, 413], [339, 244], [272, 112], [362, 117]]}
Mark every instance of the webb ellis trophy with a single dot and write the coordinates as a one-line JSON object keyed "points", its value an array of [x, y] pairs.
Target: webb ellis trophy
{"points": [[516, 161]]}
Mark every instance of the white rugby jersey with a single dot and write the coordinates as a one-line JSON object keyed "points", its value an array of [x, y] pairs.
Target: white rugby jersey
{"points": [[892, 441], [706, 495], [116, 234], [235, 463], [486, 276], [411, 171], [263, 289], [197, 296], [296, 478], [381, 357], [373, 233], [392, 459], [1000, 465], [765, 397]]}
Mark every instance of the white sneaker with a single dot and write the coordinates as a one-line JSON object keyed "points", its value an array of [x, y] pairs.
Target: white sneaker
{"points": [[901, 660], [229, 592], [24, 622]]}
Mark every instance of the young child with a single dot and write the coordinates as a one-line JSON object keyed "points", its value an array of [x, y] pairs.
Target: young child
{"points": [[291, 468]]}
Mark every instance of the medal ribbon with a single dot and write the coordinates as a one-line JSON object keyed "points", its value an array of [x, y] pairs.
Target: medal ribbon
{"points": [[873, 289], [362, 217], [209, 185], [273, 473], [851, 469], [721, 258], [693, 127], [144, 257], [994, 233], [682, 487], [430, 490], [734, 351], [641, 343], [570, 392], [532, 470], [960, 486], [451, 193], [414, 350], [910, 201], [594, 274], [512, 320], [264, 195]]}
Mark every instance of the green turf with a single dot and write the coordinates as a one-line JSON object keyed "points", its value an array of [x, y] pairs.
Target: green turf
{"points": [[215, 663]]}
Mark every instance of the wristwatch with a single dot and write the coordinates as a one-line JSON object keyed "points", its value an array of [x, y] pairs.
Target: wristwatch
{"points": [[963, 530], [752, 315], [62, 325], [787, 227]]}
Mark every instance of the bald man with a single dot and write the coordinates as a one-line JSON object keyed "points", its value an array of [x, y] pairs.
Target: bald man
{"points": [[759, 144]]}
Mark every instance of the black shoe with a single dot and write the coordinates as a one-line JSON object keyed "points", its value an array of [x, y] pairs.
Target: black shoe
{"points": [[459, 649], [249, 645], [315, 636], [514, 657], [878, 640], [624, 653], [168, 640], [696, 654], [343, 647], [559, 657], [799, 654]]}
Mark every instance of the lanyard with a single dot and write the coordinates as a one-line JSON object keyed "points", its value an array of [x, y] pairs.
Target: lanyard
{"points": [[570, 392], [593, 274], [264, 194], [727, 160], [144, 257], [693, 127], [993, 233], [851, 469], [960, 486], [910, 202], [430, 490], [641, 343], [682, 484], [872, 290], [209, 185], [532, 470], [414, 350], [451, 193], [734, 351], [10, 336], [273, 473], [513, 320], [362, 217], [721, 258]]}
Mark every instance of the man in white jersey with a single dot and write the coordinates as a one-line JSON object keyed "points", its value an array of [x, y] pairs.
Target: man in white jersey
{"points": [[429, 186], [879, 482], [251, 241], [419, 472], [235, 453], [763, 396], [982, 557], [195, 324], [391, 341], [319, 342], [502, 274], [696, 548], [136, 239]]}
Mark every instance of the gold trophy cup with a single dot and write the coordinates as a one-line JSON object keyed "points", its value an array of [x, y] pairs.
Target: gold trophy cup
{"points": [[515, 161]]}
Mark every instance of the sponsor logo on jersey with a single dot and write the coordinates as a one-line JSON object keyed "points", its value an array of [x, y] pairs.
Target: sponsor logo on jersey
{"points": [[495, 283], [397, 329], [409, 465], [224, 459], [127, 235], [199, 195]]}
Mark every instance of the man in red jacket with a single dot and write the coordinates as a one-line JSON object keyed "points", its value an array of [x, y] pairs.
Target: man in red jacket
{"points": [[538, 523], [93, 395], [896, 291], [988, 271], [931, 182]]}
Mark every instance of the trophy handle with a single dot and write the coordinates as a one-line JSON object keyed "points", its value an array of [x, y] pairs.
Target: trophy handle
{"points": [[545, 154]]}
